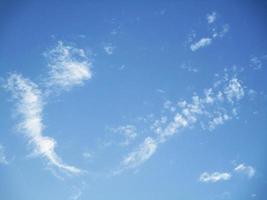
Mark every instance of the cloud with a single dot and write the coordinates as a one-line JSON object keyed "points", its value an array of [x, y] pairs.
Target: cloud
{"points": [[214, 177], [249, 171], [68, 67], [141, 154], [213, 33], [189, 67], [3, 159], [109, 49], [29, 106], [257, 62], [87, 155], [213, 108], [220, 119], [211, 17], [203, 42], [77, 195], [234, 90], [127, 131]]}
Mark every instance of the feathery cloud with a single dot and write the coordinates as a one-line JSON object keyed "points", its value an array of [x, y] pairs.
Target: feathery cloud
{"points": [[127, 131], [214, 33], [249, 171], [257, 62], [211, 17], [210, 110], [203, 42], [109, 49], [29, 106], [141, 154], [234, 90], [214, 177], [3, 159], [68, 67]]}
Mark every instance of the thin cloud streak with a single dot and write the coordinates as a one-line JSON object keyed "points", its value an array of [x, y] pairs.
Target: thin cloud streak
{"points": [[249, 171], [203, 42], [68, 67], [211, 17], [3, 159], [214, 177], [29, 106], [214, 108]]}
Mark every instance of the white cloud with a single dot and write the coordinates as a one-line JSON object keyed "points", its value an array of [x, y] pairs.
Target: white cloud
{"points": [[189, 67], [214, 108], [249, 171], [30, 108], [109, 49], [234, 90], [214, 177], [211, 17], [143, 153], [203, 42], [77, 195], [225, 30], [87, 155], [214, 32], [219, 119], [257, 62], [68, 67], [127, 131], [3, 159]]}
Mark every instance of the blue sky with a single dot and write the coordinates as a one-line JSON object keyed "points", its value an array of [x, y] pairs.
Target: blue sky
{"points": [[133, 100]]}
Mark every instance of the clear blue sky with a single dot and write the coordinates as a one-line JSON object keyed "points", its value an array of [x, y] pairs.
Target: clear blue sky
{"points": [[147, 100]]}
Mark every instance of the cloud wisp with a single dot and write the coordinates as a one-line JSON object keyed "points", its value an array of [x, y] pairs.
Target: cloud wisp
{"points": [[213, 34], [210, 110], [128, 132], [214, 177], [249, 171], [143, 153], [3, 159], [211, 17], [246, 170], [109, 49], [68, 67], [29, 107], [203, 42]]}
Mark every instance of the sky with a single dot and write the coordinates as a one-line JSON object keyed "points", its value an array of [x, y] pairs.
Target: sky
{"points": [[133, 100]]}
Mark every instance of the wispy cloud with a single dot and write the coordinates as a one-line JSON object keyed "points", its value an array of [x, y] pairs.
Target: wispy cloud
{"points": [[213, 33], [109, 49], [68, 67], [189, 67], [3, 159], [249, 171], [128, 132], [141, 154], [203, 42], [87, 155], [29, 106], [210, 110], [211, 17], [214, 177], [234, 90], [257, 62], [77, 195]]}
